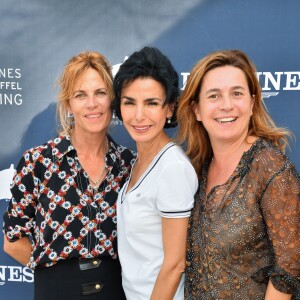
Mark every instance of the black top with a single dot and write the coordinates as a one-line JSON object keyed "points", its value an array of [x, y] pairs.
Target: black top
{"points": [[54, 203]]}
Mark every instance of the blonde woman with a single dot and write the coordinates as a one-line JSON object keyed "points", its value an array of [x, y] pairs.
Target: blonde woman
{"points": [[61, 220]]}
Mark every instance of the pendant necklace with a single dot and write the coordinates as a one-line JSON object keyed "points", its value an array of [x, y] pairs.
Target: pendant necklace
{"points": [[96, 182]]}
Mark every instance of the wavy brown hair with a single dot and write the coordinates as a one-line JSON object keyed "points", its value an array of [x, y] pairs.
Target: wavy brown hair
{"points": [[193, 133], [73, 71]]}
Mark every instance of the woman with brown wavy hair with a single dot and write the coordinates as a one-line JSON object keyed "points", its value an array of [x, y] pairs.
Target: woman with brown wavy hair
{"points": [[243, 239]]}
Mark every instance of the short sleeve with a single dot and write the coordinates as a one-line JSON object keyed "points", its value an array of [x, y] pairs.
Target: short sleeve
{"points": [[281, 209], [177, 185], [18, 220]]}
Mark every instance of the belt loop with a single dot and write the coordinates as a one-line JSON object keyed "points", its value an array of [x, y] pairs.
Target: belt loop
{"points": [[91, 288], [89, 263]]}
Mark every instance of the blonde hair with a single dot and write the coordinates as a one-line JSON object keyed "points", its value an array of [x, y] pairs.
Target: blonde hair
{"points": [[73, 71], [193, 133]]}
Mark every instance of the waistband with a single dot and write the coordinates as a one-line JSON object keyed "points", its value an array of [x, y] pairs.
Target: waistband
{"points": [[87, 275]]}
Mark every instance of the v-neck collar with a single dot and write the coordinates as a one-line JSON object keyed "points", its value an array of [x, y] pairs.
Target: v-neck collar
{"points": [[146, 172]]}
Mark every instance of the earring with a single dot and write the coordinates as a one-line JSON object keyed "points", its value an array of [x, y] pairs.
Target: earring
{"points": [[69, 115], [169, 120]]}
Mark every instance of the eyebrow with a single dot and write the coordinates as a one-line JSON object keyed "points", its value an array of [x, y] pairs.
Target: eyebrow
{"points": [[83, 91], [152, 99], [127, 98], [237, 87], [78, 91], [212, 91], [145, 100]]}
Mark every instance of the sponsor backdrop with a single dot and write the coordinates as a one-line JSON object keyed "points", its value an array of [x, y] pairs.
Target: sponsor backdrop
{"points": [[38, 37]]}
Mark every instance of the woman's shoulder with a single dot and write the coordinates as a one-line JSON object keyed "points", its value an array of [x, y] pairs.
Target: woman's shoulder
{"points": [[174, 158], [120, 152], [264, 148], [44, 154], [267, 157], [175, 154], [173, 167], [47, 149]]}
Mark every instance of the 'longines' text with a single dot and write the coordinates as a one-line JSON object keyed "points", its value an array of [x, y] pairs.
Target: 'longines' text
{"points": [[270, 81]]}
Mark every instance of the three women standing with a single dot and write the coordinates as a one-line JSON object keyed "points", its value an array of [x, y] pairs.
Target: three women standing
{"points": [[243, 239]]}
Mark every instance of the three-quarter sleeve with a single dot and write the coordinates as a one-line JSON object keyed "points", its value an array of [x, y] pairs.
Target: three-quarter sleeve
{"points": [[281, 210], [177, 186], [193, 253], [20, 214]]}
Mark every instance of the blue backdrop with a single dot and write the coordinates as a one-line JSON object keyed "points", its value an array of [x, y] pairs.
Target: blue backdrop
{"points": [[38, 37]]}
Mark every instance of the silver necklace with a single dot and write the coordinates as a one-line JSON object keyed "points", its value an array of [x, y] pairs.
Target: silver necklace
{"points": [[96, 182]]}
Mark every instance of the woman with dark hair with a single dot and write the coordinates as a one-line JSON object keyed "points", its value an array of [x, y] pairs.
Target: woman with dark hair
{"points": [[61, 220], [243, 238], [155, 203]]}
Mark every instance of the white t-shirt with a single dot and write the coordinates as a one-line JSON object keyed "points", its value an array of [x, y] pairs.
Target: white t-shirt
{"points": [[166, 189]]}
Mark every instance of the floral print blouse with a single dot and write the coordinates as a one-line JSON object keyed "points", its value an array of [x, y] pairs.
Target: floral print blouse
{"points": [[247, 230], [54, 204]]}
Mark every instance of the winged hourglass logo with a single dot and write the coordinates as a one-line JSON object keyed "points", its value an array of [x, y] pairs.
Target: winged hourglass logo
{"points": [[116, 67]]}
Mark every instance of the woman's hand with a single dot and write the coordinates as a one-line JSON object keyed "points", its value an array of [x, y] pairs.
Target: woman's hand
{"points": [[273, 294], [19, 250]]}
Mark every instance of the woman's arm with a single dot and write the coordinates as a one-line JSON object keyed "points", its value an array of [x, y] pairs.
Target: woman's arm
{"points": [[174, 233], [281, 212], [19, 250], [18, 219], [273, 294]]}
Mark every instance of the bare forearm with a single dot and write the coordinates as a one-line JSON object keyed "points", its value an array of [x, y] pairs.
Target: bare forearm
{"points": [[19, 250], [272, 293], [174, 233], [167, 283]]}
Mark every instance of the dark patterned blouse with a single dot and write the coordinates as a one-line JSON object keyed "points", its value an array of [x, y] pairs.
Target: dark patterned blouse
{"points": [[246, 231], [54, 204]]}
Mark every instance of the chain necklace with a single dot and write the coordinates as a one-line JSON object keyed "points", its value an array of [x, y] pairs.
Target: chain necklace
{"points": [[96, 182]]}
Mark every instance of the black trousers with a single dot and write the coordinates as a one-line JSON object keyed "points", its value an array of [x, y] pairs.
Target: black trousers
{"points": [[77, 279]]}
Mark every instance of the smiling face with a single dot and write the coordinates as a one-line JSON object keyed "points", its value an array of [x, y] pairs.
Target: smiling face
{"points": [[225, 105], [142, 110], [90, 104]]}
